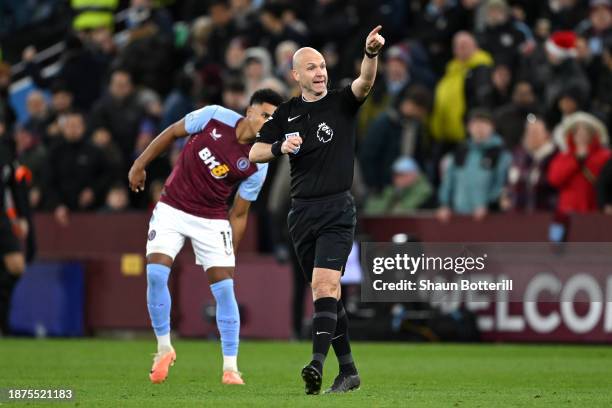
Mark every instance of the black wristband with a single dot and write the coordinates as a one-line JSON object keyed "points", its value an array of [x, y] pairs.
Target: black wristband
{"points": [[276, 148], [369, 54]]}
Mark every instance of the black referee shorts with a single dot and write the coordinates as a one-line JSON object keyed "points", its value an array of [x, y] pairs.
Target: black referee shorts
{"points": [[322, 231], [8, 241]]}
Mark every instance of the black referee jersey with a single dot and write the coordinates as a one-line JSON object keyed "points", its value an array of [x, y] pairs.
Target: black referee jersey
{"points": [[323, 165]]}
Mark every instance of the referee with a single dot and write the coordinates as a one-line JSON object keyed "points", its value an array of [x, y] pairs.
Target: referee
{"points": [[317, 130]]}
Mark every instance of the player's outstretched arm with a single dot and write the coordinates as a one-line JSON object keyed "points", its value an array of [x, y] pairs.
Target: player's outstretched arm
{"points": [[160, 144], [363, 84]]}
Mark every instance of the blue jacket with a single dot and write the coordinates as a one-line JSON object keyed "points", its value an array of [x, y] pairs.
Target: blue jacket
{"points": [[479, 181]]}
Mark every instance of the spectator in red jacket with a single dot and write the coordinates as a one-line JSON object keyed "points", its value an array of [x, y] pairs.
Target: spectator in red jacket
{"points": [[574, 170]]}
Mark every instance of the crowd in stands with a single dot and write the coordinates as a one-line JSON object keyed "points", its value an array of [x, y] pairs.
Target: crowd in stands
{"points": [[480, 106]]}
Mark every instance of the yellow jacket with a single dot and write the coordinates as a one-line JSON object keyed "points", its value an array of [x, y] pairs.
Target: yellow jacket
{"points": [[449, 104]]}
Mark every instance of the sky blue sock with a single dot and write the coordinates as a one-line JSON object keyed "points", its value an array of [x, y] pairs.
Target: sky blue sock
{"points": [[228, 317], [158, 298]]}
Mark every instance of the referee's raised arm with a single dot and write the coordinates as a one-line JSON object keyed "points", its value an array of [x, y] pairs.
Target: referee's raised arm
{"points": [[363, 84]]}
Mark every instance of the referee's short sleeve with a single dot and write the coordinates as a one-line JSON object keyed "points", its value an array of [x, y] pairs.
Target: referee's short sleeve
{"points": [[272, 130], [351, 100]]}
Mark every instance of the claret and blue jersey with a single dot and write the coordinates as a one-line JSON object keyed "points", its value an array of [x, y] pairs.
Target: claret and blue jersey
{"points": [[211, 164]]}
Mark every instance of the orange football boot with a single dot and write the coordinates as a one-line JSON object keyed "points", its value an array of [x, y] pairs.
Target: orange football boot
{"points": [[232, 377], [161, 364]]}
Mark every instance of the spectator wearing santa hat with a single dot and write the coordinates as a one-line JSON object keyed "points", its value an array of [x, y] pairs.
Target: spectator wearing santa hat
{"points": [[565, 71]]}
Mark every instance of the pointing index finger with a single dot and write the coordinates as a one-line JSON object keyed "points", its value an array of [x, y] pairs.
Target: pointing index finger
{"points": [[375, 30]]}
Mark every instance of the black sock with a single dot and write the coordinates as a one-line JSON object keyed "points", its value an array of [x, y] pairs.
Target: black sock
{"points": [[341, 344], [7, 285], [323, 327]]}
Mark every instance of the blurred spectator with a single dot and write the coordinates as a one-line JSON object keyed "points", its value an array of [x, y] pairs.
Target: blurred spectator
{"points": [[399, 131], [208, 72], [436, 25], [120, 112], [148, 55], [158, 169], [504, 37], [31, 153], [597, 28], [201, 28], [102, 45], [142, 10], [117, 199], [61, 102], [467, 78], [602, 95], [103, 140], [275, 84], [510, 119], [575, 169], [257, 67], [275, 31], [565, 14], [569, 102], [604, 188], [7, 114], [528, 187], [180, 101], [565, 71], [39, 116], [476, 172], [234, 58], [92, 14], [501, 79], [246, 18], [234, 96], [409, 191], [396, 69], [223, 30], [404, 66], [81, 71], [330, 20], [78, 176], [283, 58]]}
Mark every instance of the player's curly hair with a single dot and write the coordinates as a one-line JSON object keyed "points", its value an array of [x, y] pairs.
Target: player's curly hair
{"points": [[266, 95]]}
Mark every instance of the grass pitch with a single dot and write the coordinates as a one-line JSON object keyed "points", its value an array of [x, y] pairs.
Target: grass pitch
{"points": [[109, 373]]}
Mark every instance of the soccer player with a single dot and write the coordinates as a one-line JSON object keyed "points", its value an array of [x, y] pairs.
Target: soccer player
{"points": [[193, 205], [317, 130]]}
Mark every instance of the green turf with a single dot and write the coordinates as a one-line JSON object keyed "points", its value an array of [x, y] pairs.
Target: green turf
{"points": [[106, 373]]}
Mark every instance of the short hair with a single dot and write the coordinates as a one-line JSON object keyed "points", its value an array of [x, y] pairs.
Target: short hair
{"points": [[266, 95], [75, 112], [222, 3], [60, 86], [234, 85], [419, 95], [274, 9]]}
